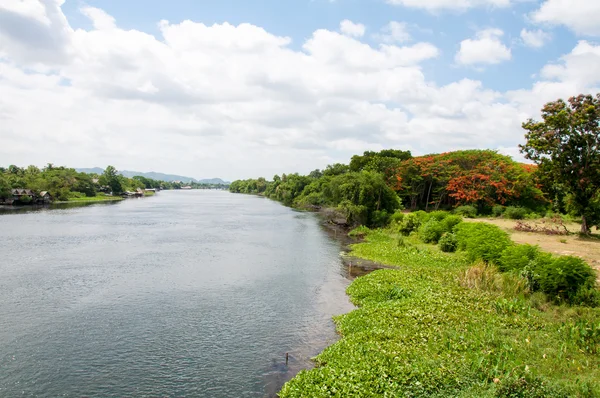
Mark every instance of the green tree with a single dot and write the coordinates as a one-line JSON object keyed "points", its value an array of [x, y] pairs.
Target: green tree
{"points": [[111, 178], [566, 145], [5, 191]]}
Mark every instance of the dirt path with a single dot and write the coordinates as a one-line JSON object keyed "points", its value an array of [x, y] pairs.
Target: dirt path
{"points": [[573, 245]]}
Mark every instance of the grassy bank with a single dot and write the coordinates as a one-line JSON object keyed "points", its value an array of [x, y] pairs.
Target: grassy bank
{"points": [[439, 326], [97, 198]]}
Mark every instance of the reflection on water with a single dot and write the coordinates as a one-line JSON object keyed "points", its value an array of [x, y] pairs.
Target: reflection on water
{"points": [[195, 293]]}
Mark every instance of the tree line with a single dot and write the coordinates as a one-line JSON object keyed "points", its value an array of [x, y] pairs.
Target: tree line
{"points": [[64, 183], [565, 147]]}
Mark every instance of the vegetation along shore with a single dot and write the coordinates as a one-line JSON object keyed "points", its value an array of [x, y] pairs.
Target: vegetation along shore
{"points": [[493, 307], [52, 184]]}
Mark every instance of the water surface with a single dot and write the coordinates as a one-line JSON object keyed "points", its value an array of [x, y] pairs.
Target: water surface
{"points": [[188, 293]]}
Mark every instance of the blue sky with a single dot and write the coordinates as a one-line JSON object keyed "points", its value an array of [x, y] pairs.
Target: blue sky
{"points": [[226, 94]]}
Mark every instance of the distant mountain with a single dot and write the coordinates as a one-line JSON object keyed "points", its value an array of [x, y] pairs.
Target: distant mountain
{"points": [[155, 176]]}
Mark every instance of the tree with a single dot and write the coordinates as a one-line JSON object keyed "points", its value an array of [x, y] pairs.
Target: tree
{"points": [[111, 178], [566, 144]]}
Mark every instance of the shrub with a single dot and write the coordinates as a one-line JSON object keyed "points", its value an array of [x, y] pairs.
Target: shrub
{"points": [[380, 218], [431, 231], [359, 232], [355, 214], [466, 211], [448, 243], [397, 217], [409, 224], [562, 278], [450, 222], [438, 215], [25, 199], [482, 241], [423, 216], [587, 296], [515, 213], [498, 210], [517, 257]]}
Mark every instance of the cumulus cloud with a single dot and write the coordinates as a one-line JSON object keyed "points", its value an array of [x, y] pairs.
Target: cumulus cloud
{"points": [[535, 38], [485, 48], [581, 16], [350, 28], [238, 101], [456, 5]]}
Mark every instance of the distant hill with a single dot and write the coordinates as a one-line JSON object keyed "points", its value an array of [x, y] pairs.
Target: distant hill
{"points": [[155, 176]]}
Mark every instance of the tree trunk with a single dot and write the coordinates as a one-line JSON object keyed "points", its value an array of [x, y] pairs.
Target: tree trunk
{"points": [[585, 229], [428, 194]]}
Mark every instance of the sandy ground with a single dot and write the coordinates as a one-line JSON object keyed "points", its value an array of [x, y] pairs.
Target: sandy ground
{"points": [[573, 245]]}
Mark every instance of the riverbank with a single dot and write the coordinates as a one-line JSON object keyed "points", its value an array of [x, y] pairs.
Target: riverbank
{"points": [[431, 327]]}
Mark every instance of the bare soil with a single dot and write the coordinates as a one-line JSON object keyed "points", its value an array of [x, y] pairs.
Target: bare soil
{"points": [[571, 245]]}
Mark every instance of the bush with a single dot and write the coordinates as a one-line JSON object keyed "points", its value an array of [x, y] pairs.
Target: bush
{"points": [[448, 243], [397, 217], [517, 258], [431, 231], [563, 278], [498, 210], [380, 218], [515, 213], [438, 215], [25, 199], [466, 211], [450, 222], [587, 296], [355, 214], [409, 224], [482, 241], [359, 232]]}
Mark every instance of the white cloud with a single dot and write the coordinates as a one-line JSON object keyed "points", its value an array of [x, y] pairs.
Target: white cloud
{"points": [[239, 101], [535, 38], [352, 29], [453, 5], [581, 16], [485, 48], [394, 32]]}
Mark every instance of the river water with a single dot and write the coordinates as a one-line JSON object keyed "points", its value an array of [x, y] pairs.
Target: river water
{"points": [[187, 293]]}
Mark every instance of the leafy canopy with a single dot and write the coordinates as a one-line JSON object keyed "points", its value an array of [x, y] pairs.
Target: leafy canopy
{"points": [[566, 145]]}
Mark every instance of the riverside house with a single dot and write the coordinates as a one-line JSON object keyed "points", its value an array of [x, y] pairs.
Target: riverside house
{"points": [[27, 196]]}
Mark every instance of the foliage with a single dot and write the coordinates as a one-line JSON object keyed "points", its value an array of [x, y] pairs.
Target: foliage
{"points": [[518, 257], [482, 241], [478, 178], [562, 278], [431, 231], [498, 210], [359, 232], [466, 211], [410, 223], [515, 213], [64, 183], [448, 243], [419, 333], [566, 146]]}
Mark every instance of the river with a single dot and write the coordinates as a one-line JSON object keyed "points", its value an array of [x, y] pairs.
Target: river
{"points": [[187, 293]]}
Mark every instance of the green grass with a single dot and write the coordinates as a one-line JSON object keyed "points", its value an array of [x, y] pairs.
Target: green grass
{"points": [[419, 333], [97, 198]]}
